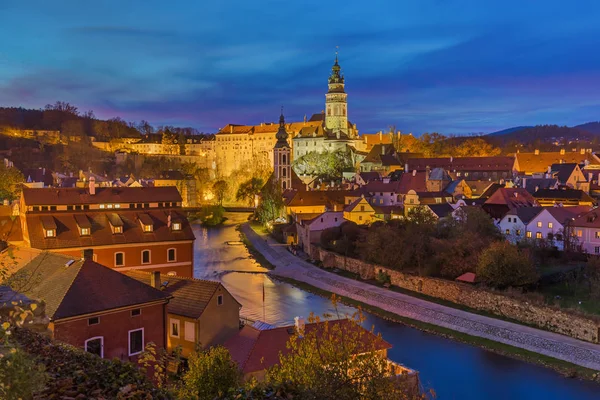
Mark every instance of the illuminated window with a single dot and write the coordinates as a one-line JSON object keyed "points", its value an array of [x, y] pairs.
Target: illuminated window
{"points": [[102, 206], [50, 233], [597, 235], [176, 226], [539, 224], [518, 232], [528, 234], [175, 328], [579, 233], [85, 231], [147, 228], [550, 225], [118, 229], [538, 235], [507, 232]]}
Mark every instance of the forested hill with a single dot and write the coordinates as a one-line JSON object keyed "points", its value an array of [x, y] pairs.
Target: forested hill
{"points": [[70, 121], [592, 127], [544, 134]]}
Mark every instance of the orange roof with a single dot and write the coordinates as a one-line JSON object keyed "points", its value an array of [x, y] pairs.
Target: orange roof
{"points": [[468, 277]]}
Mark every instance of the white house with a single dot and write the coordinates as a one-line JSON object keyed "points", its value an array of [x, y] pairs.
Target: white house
{"points": [[309, 231], [586, 227], [515, 223]]}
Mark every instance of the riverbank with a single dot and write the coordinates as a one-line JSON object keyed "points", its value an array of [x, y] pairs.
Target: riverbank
{"points": [[565, 368], [570, 356]]}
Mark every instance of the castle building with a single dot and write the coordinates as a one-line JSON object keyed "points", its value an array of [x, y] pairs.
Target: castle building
{"points": [[282, 163]]}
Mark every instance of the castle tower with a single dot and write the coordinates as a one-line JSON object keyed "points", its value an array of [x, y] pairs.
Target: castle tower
{"points": [[336, 105], [282, 163]]}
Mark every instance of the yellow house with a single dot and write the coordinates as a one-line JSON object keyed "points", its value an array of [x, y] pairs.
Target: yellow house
{"points": [[359, 211], [316, 201], [201, 313]]}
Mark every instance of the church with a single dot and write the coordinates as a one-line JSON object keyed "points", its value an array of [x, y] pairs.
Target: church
{"points": [[330, 130]]}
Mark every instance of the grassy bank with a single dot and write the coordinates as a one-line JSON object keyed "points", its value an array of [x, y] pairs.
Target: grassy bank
{"points": [[563, 367]]}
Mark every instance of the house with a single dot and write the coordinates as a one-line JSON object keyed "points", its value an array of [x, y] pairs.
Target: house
{"points": [[514, 225], [415, 181], [95, 307], [123, 228], [437, 179], [569, 175], [309, 231], [564, 197], [38, 177], [507, 199], [316, 201], [459, 189], [386, 213], [482, 189], [201, 313], [538, 162], [586, 228], [414, 199], [255, 350], [494, 168], [359, 212], [532, 184], [186, 185], [550, 224], [382, 158], [383, 193], [362, 178]]}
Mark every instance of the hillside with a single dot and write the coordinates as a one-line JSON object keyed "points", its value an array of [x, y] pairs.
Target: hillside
{"points": [[508, 130], [592, 127]]}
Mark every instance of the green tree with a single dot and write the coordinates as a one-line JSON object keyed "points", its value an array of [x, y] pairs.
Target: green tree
{"points": [[476, 147], [211, 374], [502, 265], [270, 206], [325, 165], [249, 190], [219, 189], [10, 182]]}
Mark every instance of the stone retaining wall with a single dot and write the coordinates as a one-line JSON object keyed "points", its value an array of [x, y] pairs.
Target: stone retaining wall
{"points": [[464, 294]]}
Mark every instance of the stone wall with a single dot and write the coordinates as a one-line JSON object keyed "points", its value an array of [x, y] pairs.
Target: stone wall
{"points": [[549, 318]]}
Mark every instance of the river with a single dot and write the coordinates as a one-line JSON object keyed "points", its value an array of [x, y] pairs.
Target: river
{"points": [[454, 370]]}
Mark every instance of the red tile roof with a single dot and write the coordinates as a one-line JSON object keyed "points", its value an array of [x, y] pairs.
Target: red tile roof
{"points": [[190, 296], [255, 350], [499, 163], [78, 287], [512, 197], [417, 182], [68, 234], [72, 196]]}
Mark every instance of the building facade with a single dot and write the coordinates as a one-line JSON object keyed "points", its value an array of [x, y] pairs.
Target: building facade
{"points": [[125, 228]]}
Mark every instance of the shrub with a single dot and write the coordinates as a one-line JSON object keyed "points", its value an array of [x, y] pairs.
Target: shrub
{"points": [[502, 265], [383, 278]]}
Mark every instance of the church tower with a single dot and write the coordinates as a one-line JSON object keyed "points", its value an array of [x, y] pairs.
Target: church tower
{"points": [[282, 164], [336, 111]]}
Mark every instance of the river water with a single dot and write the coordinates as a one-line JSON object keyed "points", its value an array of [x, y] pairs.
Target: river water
{"points": [[454, 370]]}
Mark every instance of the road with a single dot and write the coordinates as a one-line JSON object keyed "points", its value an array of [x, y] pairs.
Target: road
{"points": [[551, 344]]}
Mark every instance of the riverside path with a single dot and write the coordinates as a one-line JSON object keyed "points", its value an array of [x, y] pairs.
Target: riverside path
{"points": [[551, 344]]}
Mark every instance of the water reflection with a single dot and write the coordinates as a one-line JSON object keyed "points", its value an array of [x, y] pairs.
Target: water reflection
{"points": [[455, 370]]}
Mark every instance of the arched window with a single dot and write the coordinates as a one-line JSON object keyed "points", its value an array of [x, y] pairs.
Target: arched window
{"points": [[344, 111], [146, 257], [284, 185], [284, 172], [328, 111], [283, 159]]}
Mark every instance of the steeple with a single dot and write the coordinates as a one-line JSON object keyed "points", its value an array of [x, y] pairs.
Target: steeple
{"points": [[282, 134], [335, 76]]}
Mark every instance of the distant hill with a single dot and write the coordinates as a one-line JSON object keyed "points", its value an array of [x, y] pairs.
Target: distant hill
{"points": [[543, 134], [592, 127], [508, 130]]}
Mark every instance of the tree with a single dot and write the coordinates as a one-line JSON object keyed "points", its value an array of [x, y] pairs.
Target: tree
{"points": [[326, 165], [249, 190], [211, 374], [219, 189], [270, 206], [502, 265], [476, 147], [10, 182], [339, 360]]}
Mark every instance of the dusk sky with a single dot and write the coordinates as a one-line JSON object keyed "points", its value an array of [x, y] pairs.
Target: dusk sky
{"points": [[445, 66]]}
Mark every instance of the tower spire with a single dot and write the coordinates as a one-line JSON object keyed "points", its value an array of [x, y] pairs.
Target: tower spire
{"points": [[282, 134]]}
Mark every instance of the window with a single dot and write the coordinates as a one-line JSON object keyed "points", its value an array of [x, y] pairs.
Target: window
{"points": [[119, 259], [136, 312], [109, 206], [88, 254], [189, 333], [509, 219], [131, 205], [118, 229], [175, 328], [147, 228], [171, 273], [171, 255], [335, 219], [176, 226], [538, 235], [36, 208], [579, 233], [52, 208], [44, 208], [85, 231], [95, 346], [362, 208], [360, 217], [146, 205], [136, 341], [77, 208], [50, 233], [102, 206], [507, 232], [528, 234], [145, 256], [597, 234], [518, 232], [597, 250], [94, 321], [539, 224], [220, 300], [69, 208], [117, 206], [550, 225], [86, 207]]}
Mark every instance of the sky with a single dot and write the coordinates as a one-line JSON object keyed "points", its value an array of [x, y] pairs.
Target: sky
{"points": [[447, 66]]}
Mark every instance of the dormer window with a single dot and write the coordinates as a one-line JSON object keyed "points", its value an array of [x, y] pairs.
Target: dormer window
{"points": [[85, 231], [49, 226], [115, 222], [49, 233], [146, 222], [176, 226]]}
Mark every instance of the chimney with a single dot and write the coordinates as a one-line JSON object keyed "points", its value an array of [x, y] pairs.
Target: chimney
{"points": [[536, 152], [582, 151], [230, 128], [43, 171], [382, 150], [550, 169], [562, 151], [589, 176], [299, 322], [414, 172], [380, 136], [92, 186], [155, 279]]}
